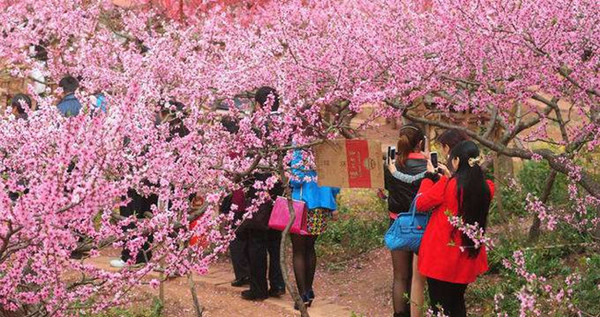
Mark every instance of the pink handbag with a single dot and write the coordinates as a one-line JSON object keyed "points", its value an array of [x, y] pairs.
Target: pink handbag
{"points": [[280, 216]]}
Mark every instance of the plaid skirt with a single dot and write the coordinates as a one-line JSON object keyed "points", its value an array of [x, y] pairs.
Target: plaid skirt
{"points": [[316, 221]]}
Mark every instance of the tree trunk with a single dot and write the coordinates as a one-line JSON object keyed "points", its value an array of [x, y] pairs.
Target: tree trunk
{"points": [[199, 309], [534, 230], [160, 204], [499, 180], [283, 258], [503, 171]]}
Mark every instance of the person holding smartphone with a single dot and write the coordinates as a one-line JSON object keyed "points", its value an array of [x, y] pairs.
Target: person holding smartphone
{"points": [[448, 257], [448, 140], [410, 161]]}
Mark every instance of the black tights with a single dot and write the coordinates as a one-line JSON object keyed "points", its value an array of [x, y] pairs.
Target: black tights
{"points": [[450, 296], [304, 260], [402, 263]]}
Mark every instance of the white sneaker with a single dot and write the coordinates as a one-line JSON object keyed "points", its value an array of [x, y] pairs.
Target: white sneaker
{"points": [[117, 263]]}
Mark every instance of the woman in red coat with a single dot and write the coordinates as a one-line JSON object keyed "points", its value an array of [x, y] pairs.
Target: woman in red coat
{"points": [[448, 257]]}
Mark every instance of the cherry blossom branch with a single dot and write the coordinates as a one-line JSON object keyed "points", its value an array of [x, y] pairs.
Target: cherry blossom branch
{"points": [[555, 161]]}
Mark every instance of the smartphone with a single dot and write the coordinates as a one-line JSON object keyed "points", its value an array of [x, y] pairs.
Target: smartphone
{"points": [[391, 154], [434, 159]]}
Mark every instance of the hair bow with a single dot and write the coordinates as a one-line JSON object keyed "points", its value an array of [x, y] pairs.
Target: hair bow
{"points": [[475, 161]]}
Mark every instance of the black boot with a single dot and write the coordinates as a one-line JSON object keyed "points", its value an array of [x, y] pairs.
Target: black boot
{"points": [[241, 282], [249, 295], [403, 314], [276, 291], [311, 296], [305, 299]]}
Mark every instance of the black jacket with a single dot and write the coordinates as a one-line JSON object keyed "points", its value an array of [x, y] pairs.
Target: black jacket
{"points": [[401, 194], [260, 220]]}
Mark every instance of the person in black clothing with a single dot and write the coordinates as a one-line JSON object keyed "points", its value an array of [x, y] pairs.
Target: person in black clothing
{"points": [[140, 204], [261, 239], [137, 206], [18, 104], [238, 248], [409, 161]]}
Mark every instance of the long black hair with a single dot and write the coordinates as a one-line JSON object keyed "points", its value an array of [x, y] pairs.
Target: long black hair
{"points": [[472, 191]]}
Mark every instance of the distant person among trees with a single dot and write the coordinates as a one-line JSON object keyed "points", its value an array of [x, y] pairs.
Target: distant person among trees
{"points": [[238, 248], [137, 206], [448, 256], [140, 203], [18, 104], [69, 106], [40, 55], [99, 103], [263, 243], [321, 204], [410, 162]]}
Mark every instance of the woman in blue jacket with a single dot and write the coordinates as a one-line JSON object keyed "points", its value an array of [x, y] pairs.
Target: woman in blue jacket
{"points": [[321, 204]]}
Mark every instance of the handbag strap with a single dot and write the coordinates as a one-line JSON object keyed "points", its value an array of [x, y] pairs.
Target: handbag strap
{"points": [[413, 209]]}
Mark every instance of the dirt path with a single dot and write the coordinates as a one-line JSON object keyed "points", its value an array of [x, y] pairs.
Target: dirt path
{"points": [[216, 299], [219, 298], [364, 285]]}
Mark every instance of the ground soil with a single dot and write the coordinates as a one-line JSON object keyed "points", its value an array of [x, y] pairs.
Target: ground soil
{"points": [[361, 287], [364, 285], [215, 301]]}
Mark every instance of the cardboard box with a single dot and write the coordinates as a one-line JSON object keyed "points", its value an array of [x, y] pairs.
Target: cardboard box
{"points": [[350, 164]]}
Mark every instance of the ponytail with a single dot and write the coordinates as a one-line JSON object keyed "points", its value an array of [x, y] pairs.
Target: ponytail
{"points": [[410, 136], [403, 148]]}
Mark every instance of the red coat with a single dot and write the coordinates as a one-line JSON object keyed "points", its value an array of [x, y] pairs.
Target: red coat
{"points": [[438, 257]]}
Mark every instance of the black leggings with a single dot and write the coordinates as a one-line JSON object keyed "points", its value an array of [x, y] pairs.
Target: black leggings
{"points": [[450, 296], [402, 264], [304, 260]]}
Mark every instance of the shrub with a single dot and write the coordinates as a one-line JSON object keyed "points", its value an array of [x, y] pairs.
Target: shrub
{"points": [[360, 228], [532, 179], [555, 256]]}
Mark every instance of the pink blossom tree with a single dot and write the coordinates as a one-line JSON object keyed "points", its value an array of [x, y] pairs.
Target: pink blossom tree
{"points": [[516, 65]]}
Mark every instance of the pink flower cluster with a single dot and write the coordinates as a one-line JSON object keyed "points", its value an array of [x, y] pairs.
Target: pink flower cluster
{"points": [[473, 231], [544, 213], [538, 294]]}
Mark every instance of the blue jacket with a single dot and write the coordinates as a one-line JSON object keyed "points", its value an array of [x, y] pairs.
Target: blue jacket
{"points": [[312, 194], [100, 103], [69, 106]]}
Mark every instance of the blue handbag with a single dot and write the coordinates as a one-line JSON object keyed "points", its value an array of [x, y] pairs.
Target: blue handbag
{"points": [[407, 230]]}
